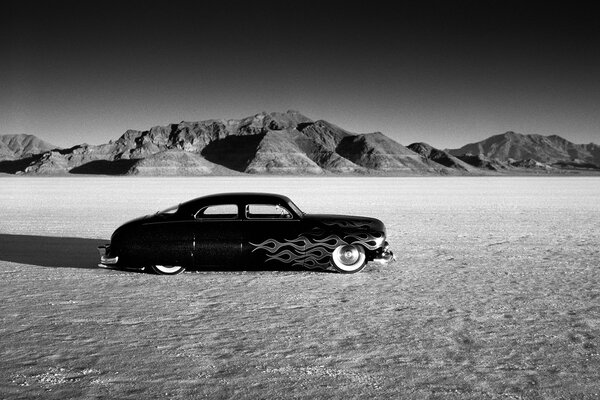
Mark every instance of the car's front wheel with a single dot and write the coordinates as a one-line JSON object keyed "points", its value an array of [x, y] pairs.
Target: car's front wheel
{"points": [[167, 269], [349, 258]]}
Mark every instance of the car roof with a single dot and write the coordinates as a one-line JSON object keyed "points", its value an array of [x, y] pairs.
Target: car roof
{"points": [[236, 198], [243, 196]]}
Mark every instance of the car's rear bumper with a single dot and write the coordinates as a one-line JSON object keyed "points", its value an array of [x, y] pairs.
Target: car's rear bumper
{"points": [[106, 262], [384, 255]]}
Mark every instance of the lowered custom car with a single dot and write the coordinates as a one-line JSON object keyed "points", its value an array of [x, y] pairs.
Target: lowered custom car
{"points": [[245, 229]]}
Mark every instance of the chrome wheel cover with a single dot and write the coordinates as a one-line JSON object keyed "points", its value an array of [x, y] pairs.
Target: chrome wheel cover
{"points": [[349, 258]]}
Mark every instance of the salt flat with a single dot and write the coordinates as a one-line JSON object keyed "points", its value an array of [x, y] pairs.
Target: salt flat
{"points": [[495, 293]]}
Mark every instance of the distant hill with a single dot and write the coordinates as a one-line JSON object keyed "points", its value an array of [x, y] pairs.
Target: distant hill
{"points": [[443, 158], [376, 151], [546, 149], [20, 146], [265, 143], [289, 143]]}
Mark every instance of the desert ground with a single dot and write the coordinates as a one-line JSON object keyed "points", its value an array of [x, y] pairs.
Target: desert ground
{"points": [[495, 294]]}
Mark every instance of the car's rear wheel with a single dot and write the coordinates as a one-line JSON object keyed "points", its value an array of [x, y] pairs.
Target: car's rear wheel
{"points": [[167, 269], [349, 258]]}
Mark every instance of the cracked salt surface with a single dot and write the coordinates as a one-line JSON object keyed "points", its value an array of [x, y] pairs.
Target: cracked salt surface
{"points": [[494, 294]]}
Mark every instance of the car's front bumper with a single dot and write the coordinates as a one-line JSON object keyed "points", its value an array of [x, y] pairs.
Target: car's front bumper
{"points": [[384, 255], [106, 262]]}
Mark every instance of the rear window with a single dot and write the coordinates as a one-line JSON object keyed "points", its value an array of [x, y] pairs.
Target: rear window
{"points": [[170, 210]]}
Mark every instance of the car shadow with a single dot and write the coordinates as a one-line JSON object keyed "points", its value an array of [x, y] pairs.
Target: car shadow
{"points": [[49, 251], [71, 252]]}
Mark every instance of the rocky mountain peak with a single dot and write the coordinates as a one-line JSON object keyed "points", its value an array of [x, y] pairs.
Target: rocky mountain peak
{"points": [[22, 145], [421, 148], [544, 149], [288, 143]]}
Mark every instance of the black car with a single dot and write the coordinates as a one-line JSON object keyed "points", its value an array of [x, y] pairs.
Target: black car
{"points": [[245, 229]]}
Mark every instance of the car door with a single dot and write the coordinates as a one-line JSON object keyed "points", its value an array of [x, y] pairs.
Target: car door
{"points": [[218, 236], [271, 236], [164, 243]]}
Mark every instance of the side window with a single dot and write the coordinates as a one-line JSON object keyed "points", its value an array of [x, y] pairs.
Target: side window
{"points": [[220, 211], [267, 211]]}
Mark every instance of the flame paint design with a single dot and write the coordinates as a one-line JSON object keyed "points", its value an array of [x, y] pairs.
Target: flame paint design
{"points": [[347, 224], [314, 250]]}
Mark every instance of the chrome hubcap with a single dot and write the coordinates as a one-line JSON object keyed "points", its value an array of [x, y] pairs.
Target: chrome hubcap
{"points": [[349, 255]]}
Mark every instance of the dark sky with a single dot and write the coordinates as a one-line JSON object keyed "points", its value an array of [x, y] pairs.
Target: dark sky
{"points": [[446, 73]]}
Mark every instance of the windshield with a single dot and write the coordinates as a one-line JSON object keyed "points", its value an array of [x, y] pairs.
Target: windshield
{"points": [[295, 209], [170, 210]]}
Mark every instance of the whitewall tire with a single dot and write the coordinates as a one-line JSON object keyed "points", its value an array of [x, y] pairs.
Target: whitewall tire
{"points": [[167, 269], [349, 258]]}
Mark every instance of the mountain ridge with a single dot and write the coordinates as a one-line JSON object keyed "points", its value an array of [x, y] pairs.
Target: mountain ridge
{"points": [[22, 145], [290, 143], [516, 146]]}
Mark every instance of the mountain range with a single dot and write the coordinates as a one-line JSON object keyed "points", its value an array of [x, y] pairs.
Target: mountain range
{"points": [[290, 143], [21, 146]]}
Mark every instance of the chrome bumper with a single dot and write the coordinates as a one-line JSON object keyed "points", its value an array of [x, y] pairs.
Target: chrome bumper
{"points": [[384, 255], [106, 262]]}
